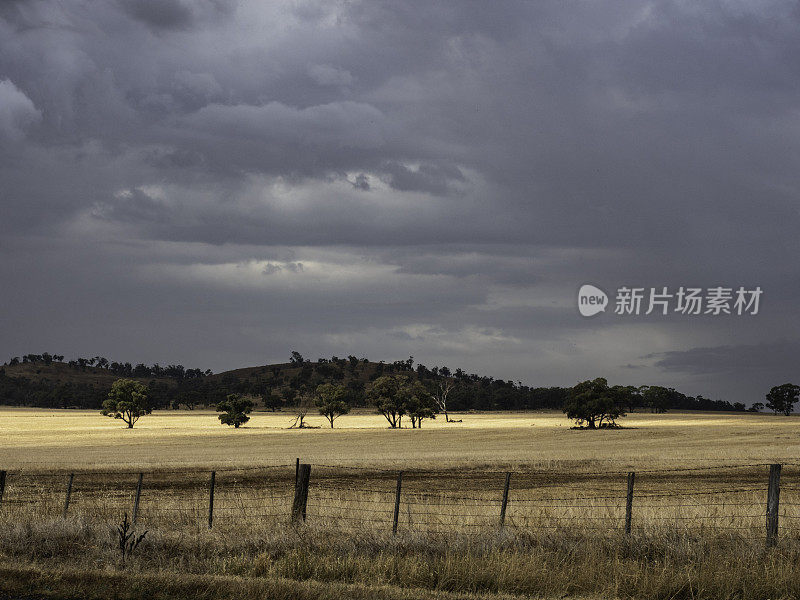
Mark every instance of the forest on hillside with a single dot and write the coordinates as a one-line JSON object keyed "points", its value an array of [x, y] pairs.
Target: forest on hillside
{"points": [[45, 380]]}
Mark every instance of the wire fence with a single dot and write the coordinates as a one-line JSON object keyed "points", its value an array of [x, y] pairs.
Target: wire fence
{"points": [[753, 501]]}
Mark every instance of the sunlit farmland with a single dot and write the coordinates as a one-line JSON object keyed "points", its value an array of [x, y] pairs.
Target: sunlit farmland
{"points": [[698, 511], [64, 439]]}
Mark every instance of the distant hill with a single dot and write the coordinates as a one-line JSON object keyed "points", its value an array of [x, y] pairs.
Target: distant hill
{"points": [[41, 380], [58, 385], [46, 380]]}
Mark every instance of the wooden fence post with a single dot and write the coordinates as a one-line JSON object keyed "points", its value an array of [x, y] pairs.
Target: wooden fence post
{"points": [[505, 500], [773, 498], [301, 493], [136, 501], [69, 493], [2, 485], [296, 469], [629, 503], [211, 499], [397, 502]]}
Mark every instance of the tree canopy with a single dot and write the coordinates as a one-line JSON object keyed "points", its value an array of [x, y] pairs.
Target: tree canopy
{"points": [[782, 398], [127, 400], [418, 402], [234, 409], [385, 394], [596, 405], [398, 395], [331, 401]]}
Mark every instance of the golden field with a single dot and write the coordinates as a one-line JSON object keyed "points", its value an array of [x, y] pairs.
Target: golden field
{"points": [[698, 510], [67, 439]]}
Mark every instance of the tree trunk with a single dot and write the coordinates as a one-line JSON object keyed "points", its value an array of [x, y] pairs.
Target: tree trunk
{"points": [[591, 424]]}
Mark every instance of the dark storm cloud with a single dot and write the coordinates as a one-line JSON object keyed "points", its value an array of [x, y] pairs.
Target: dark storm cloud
{"points": [[746, 371], [430, 178], [175, 14], [17, 112], [768, 357], [447, 174], [166, 14]]}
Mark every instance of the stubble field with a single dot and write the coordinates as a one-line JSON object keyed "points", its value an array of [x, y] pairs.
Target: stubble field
{"points": [[698, 515], [66, 439]]}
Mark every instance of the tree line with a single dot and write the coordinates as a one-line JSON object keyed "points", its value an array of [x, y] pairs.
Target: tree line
{"points": [[591, 404], [279, 387], [125, 369]]}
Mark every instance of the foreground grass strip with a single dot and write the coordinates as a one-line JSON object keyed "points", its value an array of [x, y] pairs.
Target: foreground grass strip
{"points": [[317, 561], [101, 585]]}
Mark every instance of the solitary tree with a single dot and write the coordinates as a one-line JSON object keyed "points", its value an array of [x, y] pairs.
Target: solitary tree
{"points": [[127, 400], [418, 403], [331, 401], [596, 404], [305, 402], [441, 390], [782, 398], [234, 409], [385, 394]]}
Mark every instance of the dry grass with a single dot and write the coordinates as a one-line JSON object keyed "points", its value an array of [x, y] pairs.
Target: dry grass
{"points": [[36, 438], [78, 558], [698, 533], [689, 502]]}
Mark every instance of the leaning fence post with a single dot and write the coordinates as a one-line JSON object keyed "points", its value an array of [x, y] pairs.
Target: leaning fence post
{"points": [[773, 497], [629, 503], [505, 500], [69, 493], [136, 501], [301, 493], [397, 502], [211, 499], [2, 484]]}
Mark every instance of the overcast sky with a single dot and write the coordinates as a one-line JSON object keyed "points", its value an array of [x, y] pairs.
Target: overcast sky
{"points": [[217, 183]]}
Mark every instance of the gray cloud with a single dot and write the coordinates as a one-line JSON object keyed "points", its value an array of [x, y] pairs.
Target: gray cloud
{"points": [[166, 14], [767, 357], [447, 174], [334, 126], [175, 15], [431, 178], [329, 75], [17, 112]]}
